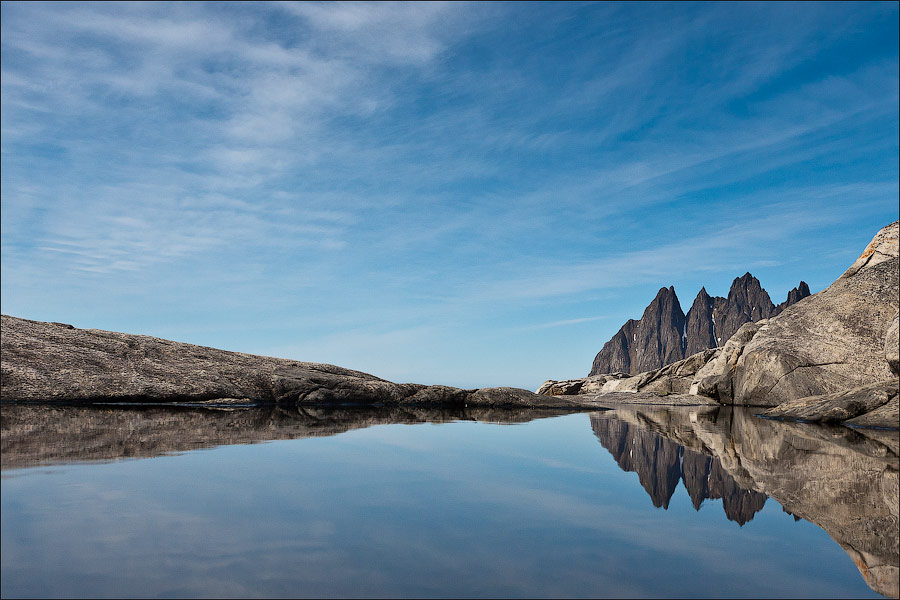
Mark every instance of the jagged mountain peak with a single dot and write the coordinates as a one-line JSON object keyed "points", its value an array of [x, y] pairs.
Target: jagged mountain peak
{"points": [[795, 295], [745, 284], [665, 334], [665, 292]]}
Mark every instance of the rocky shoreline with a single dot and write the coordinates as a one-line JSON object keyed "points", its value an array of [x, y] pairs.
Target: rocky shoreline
{"points": [[60, 364]]}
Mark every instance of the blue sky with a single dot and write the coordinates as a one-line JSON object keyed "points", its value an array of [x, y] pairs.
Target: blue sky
{"points": [[468, 194]]}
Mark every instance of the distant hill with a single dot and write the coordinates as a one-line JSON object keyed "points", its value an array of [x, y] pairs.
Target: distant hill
{"points": [[664, 334]]}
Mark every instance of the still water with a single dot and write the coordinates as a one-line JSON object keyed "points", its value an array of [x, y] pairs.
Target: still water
{"points": [[633, 502]]}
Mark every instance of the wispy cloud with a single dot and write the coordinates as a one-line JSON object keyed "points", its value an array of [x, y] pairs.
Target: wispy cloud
{"points": [[564, 322], [404, 169]]}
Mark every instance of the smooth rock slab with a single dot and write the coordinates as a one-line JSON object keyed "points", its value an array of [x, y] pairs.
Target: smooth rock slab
{"points": [[59, 363], [886, 415], [860, 402]]}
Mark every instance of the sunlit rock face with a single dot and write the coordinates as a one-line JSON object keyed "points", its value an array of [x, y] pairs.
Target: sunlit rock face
{"points": [[59, 363], [830, 342], [665, 334], [843, 480]]}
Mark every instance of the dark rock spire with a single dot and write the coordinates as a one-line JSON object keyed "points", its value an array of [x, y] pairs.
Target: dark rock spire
{"points": [[794, 296], [700, 330], [664, 334], [747, 301], [649, 343]]}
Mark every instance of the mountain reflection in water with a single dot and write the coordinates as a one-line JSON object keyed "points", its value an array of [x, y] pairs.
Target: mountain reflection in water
{"points": [[843, 480], [661, 463]]}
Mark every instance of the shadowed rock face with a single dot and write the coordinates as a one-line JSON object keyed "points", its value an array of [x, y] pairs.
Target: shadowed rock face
{"points": [[746, 301], [700, 330], [843, 480], [664, 334]]}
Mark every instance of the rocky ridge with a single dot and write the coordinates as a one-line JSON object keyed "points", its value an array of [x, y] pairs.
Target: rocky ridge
{"points": [[831, 358], [59, 363], [664, 334]]}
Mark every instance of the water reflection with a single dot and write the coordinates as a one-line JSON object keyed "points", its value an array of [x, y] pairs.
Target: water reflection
{"points": [[35, 435], [661, 463], [843, 480]]}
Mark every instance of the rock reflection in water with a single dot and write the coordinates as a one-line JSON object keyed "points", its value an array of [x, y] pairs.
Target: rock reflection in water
{"points": [[843, 480], [35, 435], [661, 463]]}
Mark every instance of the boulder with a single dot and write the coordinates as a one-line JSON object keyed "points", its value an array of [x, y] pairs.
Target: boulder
{"points": [[713, 379], [885, 416], [561, 388]]}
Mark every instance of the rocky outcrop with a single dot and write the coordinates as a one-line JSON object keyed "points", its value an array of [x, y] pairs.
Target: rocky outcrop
{"points": [[830, 343], [664, 334], [839, 406], [54, 362], [668, 385], [832, 357], [672, 381], [892, 346]]}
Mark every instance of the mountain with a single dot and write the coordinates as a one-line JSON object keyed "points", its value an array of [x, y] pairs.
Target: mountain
{"points": [[833, 357], [664, 334]]}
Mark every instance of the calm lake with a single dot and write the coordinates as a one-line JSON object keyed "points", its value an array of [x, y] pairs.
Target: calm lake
{"points": [[272, 502]]}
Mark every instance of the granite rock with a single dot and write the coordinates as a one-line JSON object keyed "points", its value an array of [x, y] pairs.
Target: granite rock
{"points": [[830, 342], [59, 363], [892, 346], [839, 406]]}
